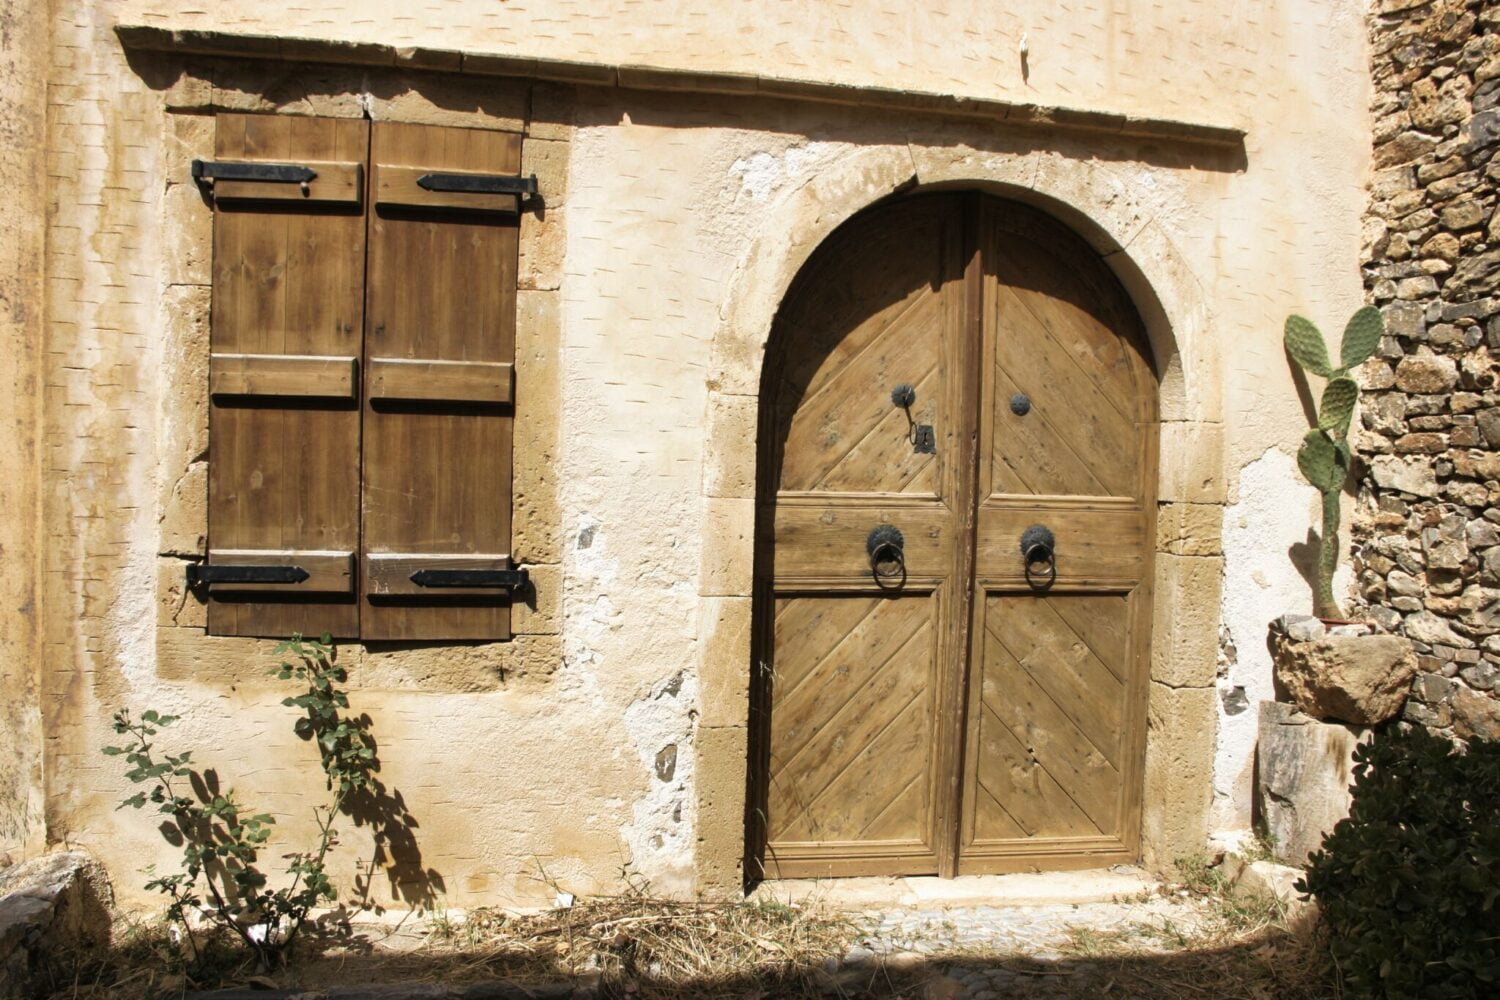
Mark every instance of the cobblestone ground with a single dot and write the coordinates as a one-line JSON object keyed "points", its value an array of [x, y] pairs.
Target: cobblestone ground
{"points": [[983, 952]]}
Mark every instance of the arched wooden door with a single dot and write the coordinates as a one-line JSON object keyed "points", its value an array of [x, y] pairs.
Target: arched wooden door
{"points": [[949, 715]]}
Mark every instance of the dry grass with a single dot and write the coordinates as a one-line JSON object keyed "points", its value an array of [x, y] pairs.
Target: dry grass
{"points": [[638, 946]]}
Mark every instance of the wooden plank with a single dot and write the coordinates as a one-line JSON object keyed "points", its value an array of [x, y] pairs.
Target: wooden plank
{"points": [[281, 375], [397, 185], [388, 574], [441, 288], [1051, 738], [828, 542], [329, 572], [487, 382], [1107, 545], [335, 184], [288, 280]]}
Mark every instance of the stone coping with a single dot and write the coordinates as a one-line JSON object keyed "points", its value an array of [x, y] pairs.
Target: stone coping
{"points": [[273, 48]]}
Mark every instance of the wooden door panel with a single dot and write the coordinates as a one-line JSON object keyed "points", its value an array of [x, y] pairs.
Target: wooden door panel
{"points": [[287, 298], [441, 343], [852, 760], [843, 433], [859, 676], [962, 721], [1057, 675], [1052, 720], [1059, 332]]}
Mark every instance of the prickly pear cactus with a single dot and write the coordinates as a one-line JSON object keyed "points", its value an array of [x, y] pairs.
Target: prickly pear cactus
{"points": [[1324, 457]]}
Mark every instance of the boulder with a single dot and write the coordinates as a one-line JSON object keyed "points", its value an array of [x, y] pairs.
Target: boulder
{"points": [[1359, 679], [1303, 769], [1272, 883], [48, 904], [1475, 715]]}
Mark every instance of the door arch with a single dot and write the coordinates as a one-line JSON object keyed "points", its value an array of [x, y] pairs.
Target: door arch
{"points": [[960, 368]]}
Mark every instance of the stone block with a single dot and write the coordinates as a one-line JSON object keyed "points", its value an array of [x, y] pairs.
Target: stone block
{"points": [[1192, 462], [451, 100], [1414, 475], [1303, 771], [1185, 633], [729, 465], [1475, 715], [548, 160], [727, 568], [724, 666], [1190, 529], [1179, 773], [718, 856], [535, 516], [541, 613], [543, 245], [1359, 679]]}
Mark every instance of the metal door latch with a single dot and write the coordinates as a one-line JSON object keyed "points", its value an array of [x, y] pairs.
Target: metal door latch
{"points": [[510, 579], [200, 575], [922, 437]]}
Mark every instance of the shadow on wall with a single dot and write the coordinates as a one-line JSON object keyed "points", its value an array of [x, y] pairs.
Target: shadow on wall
{"points": [[393, 828]]}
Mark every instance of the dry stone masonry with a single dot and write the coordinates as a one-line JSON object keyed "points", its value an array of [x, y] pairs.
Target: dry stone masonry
{"points": [[1427, 537]]}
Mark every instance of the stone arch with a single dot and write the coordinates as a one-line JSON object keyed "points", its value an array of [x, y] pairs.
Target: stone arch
{"points": [[1096, 201]]}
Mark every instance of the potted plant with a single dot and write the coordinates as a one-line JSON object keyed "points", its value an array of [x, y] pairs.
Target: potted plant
{"points": [[1329, 667]]}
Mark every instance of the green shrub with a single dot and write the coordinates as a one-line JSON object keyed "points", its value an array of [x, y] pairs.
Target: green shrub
{"points": [[1409, 883], [221, 877]]}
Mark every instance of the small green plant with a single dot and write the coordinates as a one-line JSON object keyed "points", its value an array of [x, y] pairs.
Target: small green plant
{"points": [[1325, 458], [1409, 883], [220, 875]]}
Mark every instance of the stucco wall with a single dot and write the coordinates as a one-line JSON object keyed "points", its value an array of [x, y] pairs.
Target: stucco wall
{"points": [[673, 225], [23, 110]]}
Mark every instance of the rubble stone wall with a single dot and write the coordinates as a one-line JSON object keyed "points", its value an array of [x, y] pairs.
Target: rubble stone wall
{"points": [[1427, 538]]}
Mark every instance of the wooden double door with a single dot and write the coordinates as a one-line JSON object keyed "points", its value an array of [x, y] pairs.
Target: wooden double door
{"points": [[961, 369]]}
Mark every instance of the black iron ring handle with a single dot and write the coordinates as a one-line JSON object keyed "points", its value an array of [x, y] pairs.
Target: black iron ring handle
{"points": [[887, 550], [1039, 547]]}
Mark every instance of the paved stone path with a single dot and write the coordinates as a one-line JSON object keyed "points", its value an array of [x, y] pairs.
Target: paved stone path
{"points": [[984, 952]]}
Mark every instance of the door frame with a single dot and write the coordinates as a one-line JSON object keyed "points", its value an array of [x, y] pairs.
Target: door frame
{"points": [[953, 741]]}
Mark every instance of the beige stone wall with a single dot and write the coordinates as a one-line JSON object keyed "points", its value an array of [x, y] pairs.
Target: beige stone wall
{"points": [[611, 732], [23, 109]]}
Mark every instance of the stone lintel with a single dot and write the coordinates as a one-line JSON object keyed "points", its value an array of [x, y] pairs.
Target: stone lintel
{"points": [[236, 45]]}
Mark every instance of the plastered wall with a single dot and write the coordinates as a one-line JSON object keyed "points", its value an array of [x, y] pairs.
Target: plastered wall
{"points": [[610, 735]]}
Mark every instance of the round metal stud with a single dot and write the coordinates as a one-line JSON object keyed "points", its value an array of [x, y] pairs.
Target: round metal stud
{"points": [[1020, 404]]}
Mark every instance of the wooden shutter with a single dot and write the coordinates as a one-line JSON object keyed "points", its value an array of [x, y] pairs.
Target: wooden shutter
{"points": [[284, 419], [439, 348]]}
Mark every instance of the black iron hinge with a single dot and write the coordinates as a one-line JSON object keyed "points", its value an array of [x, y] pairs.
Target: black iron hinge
{"points": [[479, 183], [284, 173], [201, 574], [511, 579]]}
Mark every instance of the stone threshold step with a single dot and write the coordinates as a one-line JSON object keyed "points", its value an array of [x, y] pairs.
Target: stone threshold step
{"points": [[1099, 885]]}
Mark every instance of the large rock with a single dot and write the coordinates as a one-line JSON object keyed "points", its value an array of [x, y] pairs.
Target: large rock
{"points": [[49, 903], [1359, 679], [1268, 882], [1475, 715], [1303, 769]]}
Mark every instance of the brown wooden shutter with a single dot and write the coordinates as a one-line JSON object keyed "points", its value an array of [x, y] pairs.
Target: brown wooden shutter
{"points": [[439, 348], [284, 420]]}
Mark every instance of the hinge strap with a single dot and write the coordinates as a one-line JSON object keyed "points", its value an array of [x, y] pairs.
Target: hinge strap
{"points": [[284, 173]]}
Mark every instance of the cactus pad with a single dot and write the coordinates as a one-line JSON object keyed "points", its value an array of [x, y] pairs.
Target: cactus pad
{"points": [[1305, 344]]}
